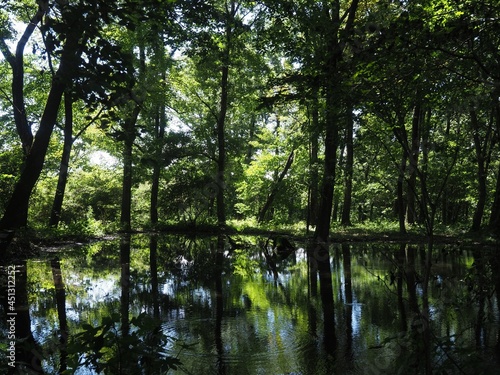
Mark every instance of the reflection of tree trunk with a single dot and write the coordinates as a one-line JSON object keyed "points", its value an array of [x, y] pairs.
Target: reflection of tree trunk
{"points": [[28, 354], [495, 268], [321, 235], [313, 271], [425, 313], [61, 310], [219, 259], [346, 257], [400, 260], [125, 283], [411, 281], [481, 287], [326, 292], [153, 266]]}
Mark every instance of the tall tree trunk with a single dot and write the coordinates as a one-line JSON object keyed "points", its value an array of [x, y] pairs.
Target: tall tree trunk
{"points": [[321, 235], [221, 120], [55, 215], [276, 187], [160, 123], [221, 141], [332, 90], [129, 134], [481, 172], [400, 202], [314, 160], [348, 171], [494, 223], [155, 188], [411, 215], [328, 182], [251, 136]]}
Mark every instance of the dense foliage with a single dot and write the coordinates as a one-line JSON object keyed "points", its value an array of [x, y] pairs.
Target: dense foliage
{"points": [[136, 114]]}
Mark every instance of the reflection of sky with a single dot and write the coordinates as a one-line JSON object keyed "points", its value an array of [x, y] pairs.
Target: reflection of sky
{"points": [[96, 291], [356, 318], [202, 295], [356, 306]]}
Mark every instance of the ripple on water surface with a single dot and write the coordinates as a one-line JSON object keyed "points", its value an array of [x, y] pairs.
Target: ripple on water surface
{"points": [[252, 341]]}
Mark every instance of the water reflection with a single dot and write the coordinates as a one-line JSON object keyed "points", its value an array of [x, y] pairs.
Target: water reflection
{"points": [[147, 304]]}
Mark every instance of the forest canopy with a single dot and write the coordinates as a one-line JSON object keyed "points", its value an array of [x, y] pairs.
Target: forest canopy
{"points": [[139, 114]]}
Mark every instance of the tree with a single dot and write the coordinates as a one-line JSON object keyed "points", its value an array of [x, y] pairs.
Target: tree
{"points": [[71, 33]]}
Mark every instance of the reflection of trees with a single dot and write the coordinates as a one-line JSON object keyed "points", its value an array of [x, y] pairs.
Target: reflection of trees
{"points": [[125, 283], [399, 278], [61, 311], [382, 305], [346, 261], [219, 259], [28, 353], [495, 267], [153, 269]]}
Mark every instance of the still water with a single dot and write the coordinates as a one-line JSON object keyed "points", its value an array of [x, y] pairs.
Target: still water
{"points": [[177, 305]]}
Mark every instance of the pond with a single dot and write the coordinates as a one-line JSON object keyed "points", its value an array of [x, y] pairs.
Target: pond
{"points": [[182, 305]]}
